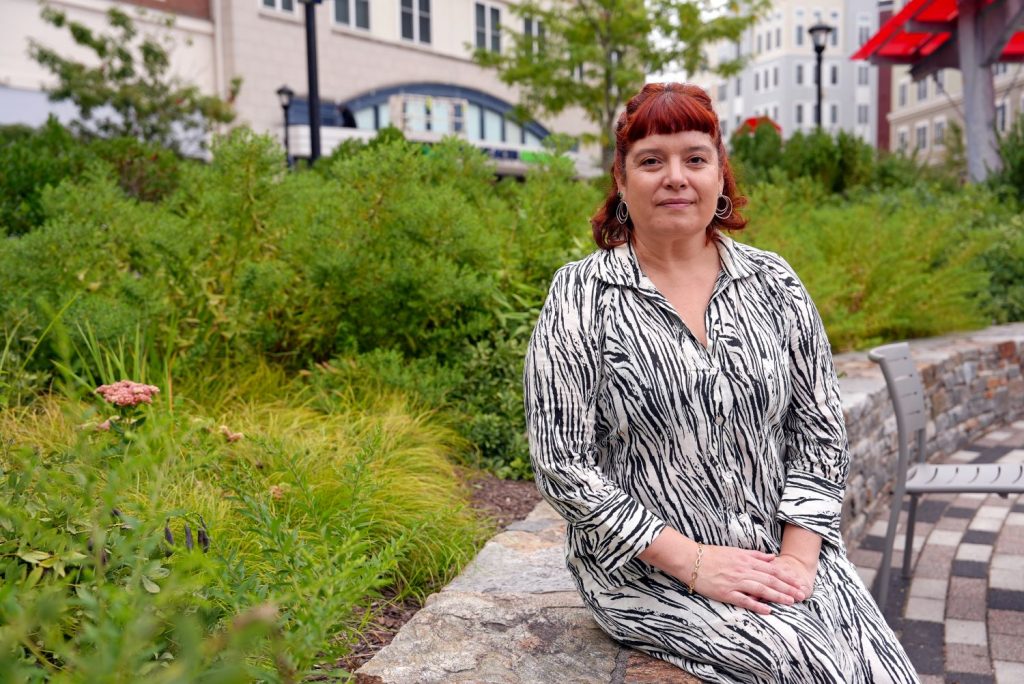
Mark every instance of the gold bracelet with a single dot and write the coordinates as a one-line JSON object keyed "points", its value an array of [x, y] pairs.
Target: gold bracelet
{"points": [[696, 567]]}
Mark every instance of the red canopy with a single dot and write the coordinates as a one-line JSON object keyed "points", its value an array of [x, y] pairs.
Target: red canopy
{"points": [[933, 22]]}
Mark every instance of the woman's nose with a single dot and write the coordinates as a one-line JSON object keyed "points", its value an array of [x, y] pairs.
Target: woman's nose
{"points": [[675, 173]]}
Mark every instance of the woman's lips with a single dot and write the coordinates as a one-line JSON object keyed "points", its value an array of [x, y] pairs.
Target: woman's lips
{"points": [[678, 203]]}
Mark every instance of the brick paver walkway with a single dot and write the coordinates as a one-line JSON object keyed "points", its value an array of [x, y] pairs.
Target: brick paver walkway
{"points": [[961, 615]]}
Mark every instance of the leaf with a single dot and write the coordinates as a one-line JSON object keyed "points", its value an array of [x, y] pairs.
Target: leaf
{"points": [[150, 586], [34, 556], [159, 573]]}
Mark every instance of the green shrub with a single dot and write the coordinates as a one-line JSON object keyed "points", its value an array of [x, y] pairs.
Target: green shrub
{"points": [[1011, 150]]}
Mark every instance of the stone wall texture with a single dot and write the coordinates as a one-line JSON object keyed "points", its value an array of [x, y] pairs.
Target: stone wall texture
{"points": [[973, 382]]}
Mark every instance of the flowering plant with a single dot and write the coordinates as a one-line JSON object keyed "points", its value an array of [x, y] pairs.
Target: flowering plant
{"points": [[126, 396]]}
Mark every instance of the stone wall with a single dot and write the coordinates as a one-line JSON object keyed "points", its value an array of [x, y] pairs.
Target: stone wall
{"points": [[973, 382]]}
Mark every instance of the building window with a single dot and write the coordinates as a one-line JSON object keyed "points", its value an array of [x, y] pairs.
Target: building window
{"points": [[940, 81], [488, 28], [835, 31], [760, 44], [799, 34], [723, 92], [922, 136], [1000, 68], [775, 112], [757, 81], [901, 140], [775, 76], [902, 95], [739, 87], [282, 5], [834, 114], [799, 114], [768, 41], [534, 31], [939, 136], [835, 74], [723, 126], [862, 114], [343, 11], [863, 34], [862, 75], [922, 90], [778, 37], [799, 74], [1001, 116], [416, 20]]}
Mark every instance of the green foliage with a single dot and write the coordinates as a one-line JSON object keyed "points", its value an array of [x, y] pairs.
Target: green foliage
{"points": [[595, 55], [1003, 260], [871, 262], [754, 155], [129, 93], [1011, 150]]}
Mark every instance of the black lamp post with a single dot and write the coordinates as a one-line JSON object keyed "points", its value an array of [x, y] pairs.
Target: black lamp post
{"points": [[314, 82], [819, 35], [285, 96]]}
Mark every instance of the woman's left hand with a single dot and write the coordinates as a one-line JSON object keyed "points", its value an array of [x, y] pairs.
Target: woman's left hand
{"points": [[798, 572]]}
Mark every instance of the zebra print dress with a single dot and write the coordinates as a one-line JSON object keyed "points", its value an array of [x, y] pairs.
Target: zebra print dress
{"points": [[635, 425]]}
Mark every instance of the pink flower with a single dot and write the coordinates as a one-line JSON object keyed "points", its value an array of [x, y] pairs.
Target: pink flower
{"points": [[127, 393], [229, 435], [277, 492], [104, 426]]}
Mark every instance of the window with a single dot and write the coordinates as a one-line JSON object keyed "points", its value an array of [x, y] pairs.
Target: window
{"points": [[757, 81], [863, 75], [799, 114], [775, 112], [902, 95], [1000, 68], [901, 140], [760, 44], [799, 34], [739, 87], [416, 20], [1001, 116], [778, 37], [922, 136], [834, 36], [534, 31], [922, 90], [799, 74], [775, 76], [488, 28], [768, 41], [723, 92], [835, 74], [343, 10], [862, 114], [283, 5], [940, 81], [939, 135], [834, 114], [723, 126], [863, 34]]}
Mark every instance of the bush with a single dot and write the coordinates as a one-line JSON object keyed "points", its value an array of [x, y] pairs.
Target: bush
{"points": [[1011, 150]]}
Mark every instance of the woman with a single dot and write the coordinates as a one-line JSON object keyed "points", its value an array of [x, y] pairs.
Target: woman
{"points": [[684, 418]]}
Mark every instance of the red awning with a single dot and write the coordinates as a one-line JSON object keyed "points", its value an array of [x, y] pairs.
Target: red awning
{"points": [[933, 23]]}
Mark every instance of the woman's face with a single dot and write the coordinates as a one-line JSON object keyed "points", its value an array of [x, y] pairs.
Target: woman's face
{"points": [[671, 184]]}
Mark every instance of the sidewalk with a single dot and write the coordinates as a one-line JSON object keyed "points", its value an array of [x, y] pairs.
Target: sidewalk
{"points": [[961, 616]]}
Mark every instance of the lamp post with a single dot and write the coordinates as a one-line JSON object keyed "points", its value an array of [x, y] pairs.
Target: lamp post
{"points": [[819, 35], [285, 96], [314, 82]]}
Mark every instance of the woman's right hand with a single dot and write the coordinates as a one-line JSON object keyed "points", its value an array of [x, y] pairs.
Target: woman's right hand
{"points": [[745, 578]]}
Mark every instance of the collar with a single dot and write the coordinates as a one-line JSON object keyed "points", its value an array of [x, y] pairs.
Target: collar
{"points": [[619, 266]]}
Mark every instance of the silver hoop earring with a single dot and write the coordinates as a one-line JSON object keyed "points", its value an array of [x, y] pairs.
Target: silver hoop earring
{"points": [[622, 211], [722, 213]]}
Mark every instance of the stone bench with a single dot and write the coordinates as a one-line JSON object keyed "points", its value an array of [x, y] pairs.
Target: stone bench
{"points": [[513, 616]]}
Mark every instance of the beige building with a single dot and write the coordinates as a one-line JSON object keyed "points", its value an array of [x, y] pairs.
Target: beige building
{"points": [[922, 110], [400, 62]]}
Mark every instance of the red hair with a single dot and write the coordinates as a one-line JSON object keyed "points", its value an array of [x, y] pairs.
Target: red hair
{"points": [[663, 109]]}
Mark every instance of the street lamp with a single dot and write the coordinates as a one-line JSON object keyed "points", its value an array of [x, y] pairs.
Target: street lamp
{"points": [[285, 96], [819, 35], [314, 82]]}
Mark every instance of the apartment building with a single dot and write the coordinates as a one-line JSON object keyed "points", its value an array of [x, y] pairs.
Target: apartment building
{"points": [[922, 110], [396, 62], [778, 80]]}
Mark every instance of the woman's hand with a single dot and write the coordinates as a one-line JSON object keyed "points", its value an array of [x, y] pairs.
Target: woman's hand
{"points": [[797, 571], [750, 579]]}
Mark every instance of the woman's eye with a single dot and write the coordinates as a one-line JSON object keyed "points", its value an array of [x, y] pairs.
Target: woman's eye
{"points": [[697, 160], [648, 161]]}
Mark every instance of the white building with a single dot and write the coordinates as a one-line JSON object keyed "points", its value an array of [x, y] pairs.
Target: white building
{"points": [[778, 80], [401, 62]]}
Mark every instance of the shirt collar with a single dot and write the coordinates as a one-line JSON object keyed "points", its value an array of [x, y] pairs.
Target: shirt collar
{"points": [[619, 266]]}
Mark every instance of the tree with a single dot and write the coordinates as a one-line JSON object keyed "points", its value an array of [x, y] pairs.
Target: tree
{"points": [[594, 54], [128, 91]]}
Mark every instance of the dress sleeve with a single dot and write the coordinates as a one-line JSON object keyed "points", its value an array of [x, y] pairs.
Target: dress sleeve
{"points": [[563, 366], [814, 431]]}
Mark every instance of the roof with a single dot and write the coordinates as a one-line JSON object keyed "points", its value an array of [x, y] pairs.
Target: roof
{"points": [[921, 28]]}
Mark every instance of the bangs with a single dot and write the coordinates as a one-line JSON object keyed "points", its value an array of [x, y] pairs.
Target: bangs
{"points": [[672, 111]]}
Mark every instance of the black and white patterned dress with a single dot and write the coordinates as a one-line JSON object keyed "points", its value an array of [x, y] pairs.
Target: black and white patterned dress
{"points": [[635, 425]]}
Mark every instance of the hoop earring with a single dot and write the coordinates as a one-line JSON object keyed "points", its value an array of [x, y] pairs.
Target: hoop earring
{"points": [[722, 213], [622, 211]]}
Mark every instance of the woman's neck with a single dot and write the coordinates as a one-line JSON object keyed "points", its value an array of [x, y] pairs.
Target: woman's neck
{"points": [[675, 257]]}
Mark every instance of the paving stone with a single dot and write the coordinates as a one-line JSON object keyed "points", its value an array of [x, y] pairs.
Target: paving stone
{"points": [[1011, 540], [925, 609], [930, 509], [923, 642], [961, 456], [986, 524], [1016, 519], [974, 552], [945, 537], [968, 658], [968, 678], [1006, 647], [959, 512], [1002, 599], [958, 524], [966, 632], [966, 598], [932, 679], [867, 559], [867, 575], [872, 543], [977, 536], [1006, 578], [928, 588], [1008, 672], [962, 568], [1008, 561], [934, 561], [1006, 622], [1014, 457]]}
